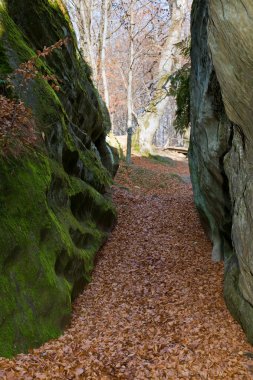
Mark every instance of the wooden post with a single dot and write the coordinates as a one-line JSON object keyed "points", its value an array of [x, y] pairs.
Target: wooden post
{"points": [[129, 145]]}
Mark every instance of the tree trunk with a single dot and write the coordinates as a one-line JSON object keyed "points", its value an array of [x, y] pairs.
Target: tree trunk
{"points": [[130, 87], [103, 52], [84, 19]]}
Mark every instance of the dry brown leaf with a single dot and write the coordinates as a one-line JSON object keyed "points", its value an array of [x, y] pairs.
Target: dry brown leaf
{"points": [[154, 309]]}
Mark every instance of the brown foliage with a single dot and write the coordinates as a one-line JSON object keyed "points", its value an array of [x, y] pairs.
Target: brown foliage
{"points": [[154, 309], [17, 125], [17, 128], [28, 70]]}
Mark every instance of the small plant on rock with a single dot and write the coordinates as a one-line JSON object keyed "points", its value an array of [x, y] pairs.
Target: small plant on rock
{"points": [[17, 125]]}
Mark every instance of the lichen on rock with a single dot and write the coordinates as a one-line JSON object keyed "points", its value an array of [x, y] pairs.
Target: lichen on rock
{"points": [[55, 213], [221, 142]]}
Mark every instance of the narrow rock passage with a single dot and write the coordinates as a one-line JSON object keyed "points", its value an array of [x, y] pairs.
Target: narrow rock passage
{"points": [[154, 309]]}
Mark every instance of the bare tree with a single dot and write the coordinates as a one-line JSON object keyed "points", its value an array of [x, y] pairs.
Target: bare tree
{"points": [[130, 84], [105, 21], [140, 27], [83, 19], [171, 60], [125, 42]]}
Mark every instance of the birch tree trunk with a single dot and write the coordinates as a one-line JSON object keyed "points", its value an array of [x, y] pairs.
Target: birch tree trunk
{"points": [[106, 4], [130, 86], [84, 19]]}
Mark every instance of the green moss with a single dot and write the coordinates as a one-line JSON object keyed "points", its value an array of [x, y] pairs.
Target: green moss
{"points": [[45, 103], [26, 265], [148, 179], [53, 218], [160, 94], [4, 65], [35, 233], [14, 38], [136, 141], [100, 178], [161, 159]]}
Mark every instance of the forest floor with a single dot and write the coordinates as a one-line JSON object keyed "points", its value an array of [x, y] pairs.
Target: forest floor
{"points": [[154, 308]]}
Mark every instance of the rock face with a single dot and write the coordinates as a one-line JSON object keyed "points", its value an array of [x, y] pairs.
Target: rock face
{"points": [[54, 211], [221, 155]]}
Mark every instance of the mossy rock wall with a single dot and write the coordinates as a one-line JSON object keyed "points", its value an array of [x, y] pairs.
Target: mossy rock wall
{"points": [[55, 213]]}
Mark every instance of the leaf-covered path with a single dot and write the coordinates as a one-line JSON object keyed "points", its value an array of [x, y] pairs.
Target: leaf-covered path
{"points": [[154, 309]]}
